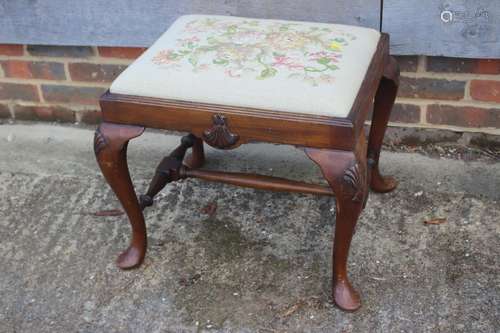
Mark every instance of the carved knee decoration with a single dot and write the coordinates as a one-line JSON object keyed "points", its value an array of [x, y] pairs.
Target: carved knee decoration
{"points": [[348, 177], [110, 147]]}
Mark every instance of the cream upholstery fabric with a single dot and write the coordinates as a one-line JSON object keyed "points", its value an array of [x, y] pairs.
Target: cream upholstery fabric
{"points": [[300, 67]]}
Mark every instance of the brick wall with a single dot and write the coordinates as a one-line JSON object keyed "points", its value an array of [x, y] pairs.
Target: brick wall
{"points": [[54, 83], [451, 93]]}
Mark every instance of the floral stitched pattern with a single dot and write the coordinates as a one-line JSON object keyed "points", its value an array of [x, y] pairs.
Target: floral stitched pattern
{"points": [[263, 49]]}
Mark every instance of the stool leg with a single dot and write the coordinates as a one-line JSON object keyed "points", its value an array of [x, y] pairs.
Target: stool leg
{"points": [[110, 147], [167, 171], [197, 157], [347, 175], [384, 101]]}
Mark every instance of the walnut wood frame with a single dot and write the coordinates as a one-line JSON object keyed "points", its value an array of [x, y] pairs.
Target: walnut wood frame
{"points": [[337, 145]]}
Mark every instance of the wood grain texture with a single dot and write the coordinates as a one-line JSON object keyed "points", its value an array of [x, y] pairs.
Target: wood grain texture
{"points": [[346, 172], [456, 28], [140, 23], [383, 104], [167, 171], [249, 124], [110, 147], [257, 181]]}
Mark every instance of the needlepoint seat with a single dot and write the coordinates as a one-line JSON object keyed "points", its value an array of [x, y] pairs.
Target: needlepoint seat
{"points": [[300, 67], [227, 81]]}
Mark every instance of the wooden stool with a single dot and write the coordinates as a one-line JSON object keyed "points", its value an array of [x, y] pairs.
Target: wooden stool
{"points": [[228, 81]]}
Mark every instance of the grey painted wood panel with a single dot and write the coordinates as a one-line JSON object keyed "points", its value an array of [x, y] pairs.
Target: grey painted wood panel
{"points": [[457, 28], [139, 23]]}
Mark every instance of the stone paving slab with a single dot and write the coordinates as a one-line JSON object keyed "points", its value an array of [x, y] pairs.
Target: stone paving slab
{"points": [[259, 263]]}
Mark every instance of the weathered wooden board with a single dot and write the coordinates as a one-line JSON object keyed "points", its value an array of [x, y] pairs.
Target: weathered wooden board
{"points": [[139, 23], [457, 28]]}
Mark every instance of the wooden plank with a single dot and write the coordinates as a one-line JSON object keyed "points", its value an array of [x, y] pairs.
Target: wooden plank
{"points": [[356, 12], [456, 28], [139, 23]]}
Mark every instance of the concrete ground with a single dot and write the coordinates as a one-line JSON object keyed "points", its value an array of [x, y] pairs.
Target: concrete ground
{"points": [[228, 259]]}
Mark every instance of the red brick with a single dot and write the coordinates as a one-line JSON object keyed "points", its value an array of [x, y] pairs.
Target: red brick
{"points": [[4, 111], [72, 94], [26, 92], [91, 117], [485, 90], [94, 72], [121, 52], [431, 88], [11, 49], [44, 113], [33, 69], [488, 66], [462, 65], [450, 65], [60, 51], [16, 68], [407, 63], [463, 116], [405, 113]]}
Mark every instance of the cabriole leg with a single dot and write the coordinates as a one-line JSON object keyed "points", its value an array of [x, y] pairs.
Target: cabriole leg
{"points": [[110, 147], [384, 101], [197, 157], [347, 175]]}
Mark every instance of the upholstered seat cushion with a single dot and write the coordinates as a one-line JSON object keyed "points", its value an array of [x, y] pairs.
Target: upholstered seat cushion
{"points": [[300, 67]]}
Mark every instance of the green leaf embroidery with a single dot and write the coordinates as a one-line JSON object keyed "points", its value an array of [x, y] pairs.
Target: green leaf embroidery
{"points": [[313, 69], [211, 43], [212, 40], [267, 73], [232, 29], [323, 61], [220, 61], [193, 61]]}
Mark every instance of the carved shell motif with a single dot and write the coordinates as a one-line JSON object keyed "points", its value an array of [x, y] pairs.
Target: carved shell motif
{"points": [[355, 178], [218, 135], [99, 141]]}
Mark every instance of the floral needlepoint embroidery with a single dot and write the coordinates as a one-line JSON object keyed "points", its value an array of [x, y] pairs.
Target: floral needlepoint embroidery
{"points": [[262, 49]]}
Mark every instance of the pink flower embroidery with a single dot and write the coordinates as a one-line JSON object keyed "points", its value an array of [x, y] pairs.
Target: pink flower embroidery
{"points": [[192, 39], [243, 47], [203, 67], [232, 73], [334, 57], [165, 57], [189, 41], [287, 62]]}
